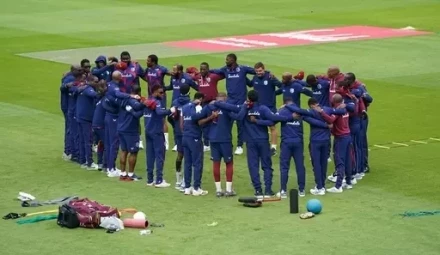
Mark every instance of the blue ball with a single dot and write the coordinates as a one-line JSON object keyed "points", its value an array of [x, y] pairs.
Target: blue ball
{"points": [[314, 206]]}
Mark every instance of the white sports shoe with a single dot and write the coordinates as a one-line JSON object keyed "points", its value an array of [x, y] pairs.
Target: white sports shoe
{"points": [[335, 190], [141, 145], [150, 184], [67, 157], [199, 192], [238, 151], [95, 148], [83, 166], [358, 177], [113, 173], [353, 181], [332, 178], [317, 192], [92, 167], [346, 186], [187, 191], [282, 194], [175, 148], [206, 148], [177, 185], [163, 184]]}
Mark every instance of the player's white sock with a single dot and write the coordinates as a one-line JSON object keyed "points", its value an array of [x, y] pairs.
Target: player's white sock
{"points": [[274, 146], [123, 173], [229, 186], [166, 141], [218, 186], [130, 174], [178, 177]]}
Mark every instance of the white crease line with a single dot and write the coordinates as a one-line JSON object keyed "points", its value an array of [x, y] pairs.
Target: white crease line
{"points": [[415, 141], [380, 146], [401, 144]]}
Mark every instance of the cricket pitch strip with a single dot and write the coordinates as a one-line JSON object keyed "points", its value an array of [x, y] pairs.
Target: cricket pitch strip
{"points": [[228, 44]]}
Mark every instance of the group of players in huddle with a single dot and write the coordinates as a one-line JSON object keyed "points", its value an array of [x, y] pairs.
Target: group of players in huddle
{"points": [[103, 105]]}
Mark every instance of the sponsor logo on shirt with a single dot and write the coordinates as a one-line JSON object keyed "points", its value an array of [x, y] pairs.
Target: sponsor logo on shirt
{"points": [[127, 75], [293, 123], [187, 118], [233, 76], [148, 115]]}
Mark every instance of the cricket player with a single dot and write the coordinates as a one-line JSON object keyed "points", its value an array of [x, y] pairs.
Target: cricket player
{"points": [[293, 88], [85, 65], [98, 128], [71, 83], [128, 131], [257, 143], [102, 70], [154, 115], [320, 88], [154, 75], [178, 104], [334, 76], [192, 118], [342, 140], [356, 108], [319, 144], [85, 107], [236, 89], [353, 108], [179, 78], [266, 85], [64, 105], [111, 103], [292, 146], [208, 85], [130, 77], [366, 98], [220, 135]]}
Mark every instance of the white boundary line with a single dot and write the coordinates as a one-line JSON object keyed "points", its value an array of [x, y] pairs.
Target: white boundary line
{"points": [[435, 139]]}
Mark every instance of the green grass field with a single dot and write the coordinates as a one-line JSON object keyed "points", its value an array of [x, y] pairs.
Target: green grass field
{"points": [[401, 74]]}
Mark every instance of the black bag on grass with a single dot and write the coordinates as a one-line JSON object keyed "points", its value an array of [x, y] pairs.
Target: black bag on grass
{"points": [[67, 217]]}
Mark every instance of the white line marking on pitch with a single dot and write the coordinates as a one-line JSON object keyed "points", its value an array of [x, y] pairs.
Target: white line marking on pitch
{"points": [[435, 139], [401, 144], [380, 146], [415, 141]]}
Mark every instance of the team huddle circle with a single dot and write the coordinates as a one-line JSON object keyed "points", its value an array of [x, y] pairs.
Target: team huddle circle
{"points": [[103, 107]]}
